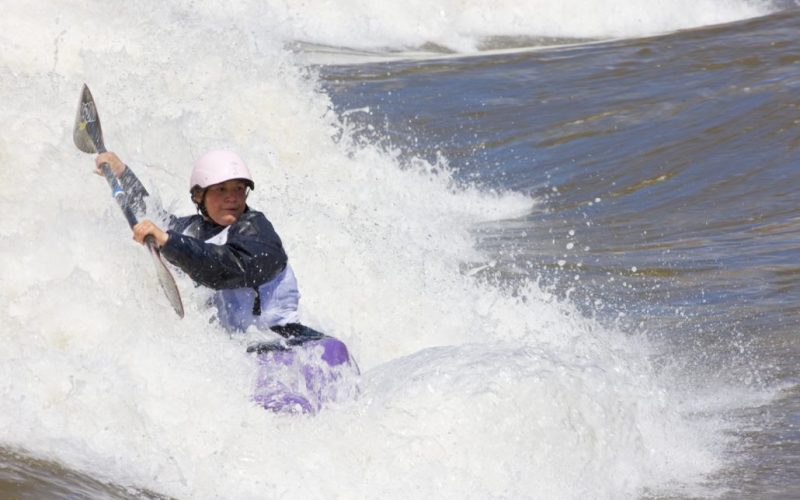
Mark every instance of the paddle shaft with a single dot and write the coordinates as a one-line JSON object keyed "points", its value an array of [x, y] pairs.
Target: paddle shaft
{"points": [[120, 196], [88, 137]]}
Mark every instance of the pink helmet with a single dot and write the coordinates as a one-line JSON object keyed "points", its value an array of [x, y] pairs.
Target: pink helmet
{"points": [[219, 166]]}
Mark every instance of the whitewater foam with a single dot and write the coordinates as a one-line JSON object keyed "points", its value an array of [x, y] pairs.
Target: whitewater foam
{"points": [[467, 388], [463, 25]]}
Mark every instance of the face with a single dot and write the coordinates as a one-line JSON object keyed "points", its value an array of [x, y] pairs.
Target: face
{"points": [[226, 201]]}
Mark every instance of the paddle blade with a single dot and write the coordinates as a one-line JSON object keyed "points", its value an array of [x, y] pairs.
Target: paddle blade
{"points": [[87, 134], [166, 280]]}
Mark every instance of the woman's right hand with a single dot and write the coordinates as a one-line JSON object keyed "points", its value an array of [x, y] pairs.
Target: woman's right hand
{"points": [[116, 165]]}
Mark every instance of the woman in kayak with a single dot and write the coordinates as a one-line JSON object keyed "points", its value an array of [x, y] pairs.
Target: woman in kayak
{"points": [[234, 250]]}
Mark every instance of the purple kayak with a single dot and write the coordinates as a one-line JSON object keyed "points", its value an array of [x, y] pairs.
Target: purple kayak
{"points": [[303, 373]]}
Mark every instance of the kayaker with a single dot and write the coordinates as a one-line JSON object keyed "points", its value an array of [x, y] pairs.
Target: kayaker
{"points": [[233, 249]]}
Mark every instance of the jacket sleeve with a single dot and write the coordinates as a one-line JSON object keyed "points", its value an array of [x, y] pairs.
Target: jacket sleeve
{"points": [[136, 195], [134, 190], [252, 255]]}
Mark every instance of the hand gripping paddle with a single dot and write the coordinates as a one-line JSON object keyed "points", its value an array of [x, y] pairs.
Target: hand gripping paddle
{"points": [[88, 137]]}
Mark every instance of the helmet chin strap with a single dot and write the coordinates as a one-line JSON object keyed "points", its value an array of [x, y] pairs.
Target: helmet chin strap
{"points": [[201, 205]]}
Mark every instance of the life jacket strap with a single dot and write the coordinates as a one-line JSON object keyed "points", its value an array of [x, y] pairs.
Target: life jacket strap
{"points": [[257, 303]]}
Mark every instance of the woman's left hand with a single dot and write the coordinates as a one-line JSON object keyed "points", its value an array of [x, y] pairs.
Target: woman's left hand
{"points": [[147, 228]]}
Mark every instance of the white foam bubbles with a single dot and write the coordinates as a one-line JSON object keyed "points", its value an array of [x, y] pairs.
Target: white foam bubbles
{"points": [[460, 25], [98, 373]]}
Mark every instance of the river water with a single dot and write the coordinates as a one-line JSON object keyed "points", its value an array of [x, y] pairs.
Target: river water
{"points": [[561, 240]]}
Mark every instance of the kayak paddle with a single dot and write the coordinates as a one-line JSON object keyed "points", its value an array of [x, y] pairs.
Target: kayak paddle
{"points": [[88, 136]]}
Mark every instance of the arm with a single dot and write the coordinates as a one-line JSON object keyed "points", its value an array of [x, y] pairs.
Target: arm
{"points": [[135, 191], [252, 255]]}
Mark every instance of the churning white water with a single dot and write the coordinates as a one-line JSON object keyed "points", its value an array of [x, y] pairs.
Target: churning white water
{"points": [[467, 390]]}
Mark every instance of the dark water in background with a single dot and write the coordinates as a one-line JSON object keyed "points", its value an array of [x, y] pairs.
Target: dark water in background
{"points": [[668, 171]]}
